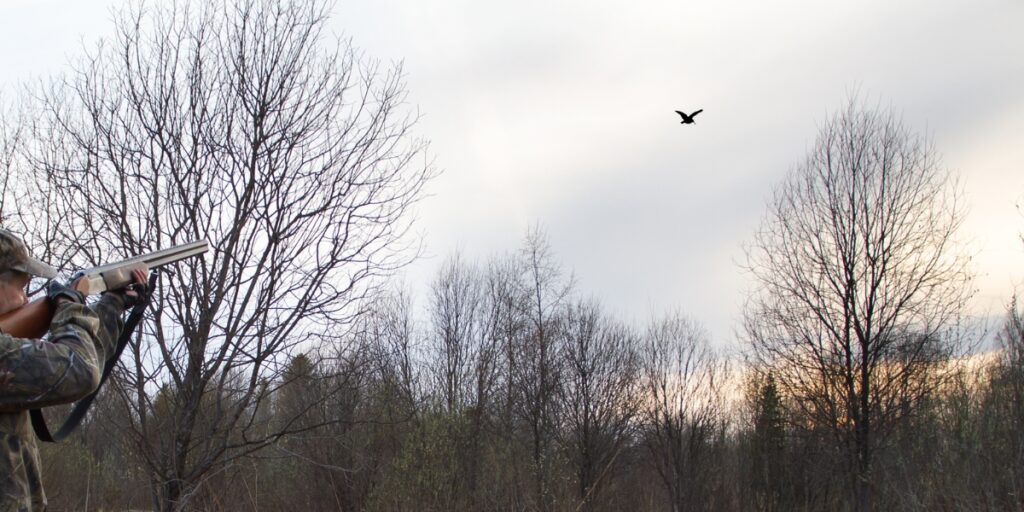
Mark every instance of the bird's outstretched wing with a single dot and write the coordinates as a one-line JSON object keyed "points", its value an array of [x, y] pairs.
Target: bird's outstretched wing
{"points": [[682, 114], [695, 113]]}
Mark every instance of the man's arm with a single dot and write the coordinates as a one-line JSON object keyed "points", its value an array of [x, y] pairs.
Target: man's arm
{"points": [[68, 366]]}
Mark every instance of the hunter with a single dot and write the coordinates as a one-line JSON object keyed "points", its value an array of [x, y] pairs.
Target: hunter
{"points": [[35, 373]]}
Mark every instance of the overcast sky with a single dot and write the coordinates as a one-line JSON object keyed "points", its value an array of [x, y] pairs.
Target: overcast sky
{"points": [[561, 113]]}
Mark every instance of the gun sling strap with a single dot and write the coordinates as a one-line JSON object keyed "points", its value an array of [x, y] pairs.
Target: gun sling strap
{"points": [[82, 406]]}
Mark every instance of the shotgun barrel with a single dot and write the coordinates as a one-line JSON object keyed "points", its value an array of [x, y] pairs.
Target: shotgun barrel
{"points": [[119, 274]]}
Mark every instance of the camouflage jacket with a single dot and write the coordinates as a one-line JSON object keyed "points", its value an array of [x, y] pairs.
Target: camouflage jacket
{"points": [[36, 374]]}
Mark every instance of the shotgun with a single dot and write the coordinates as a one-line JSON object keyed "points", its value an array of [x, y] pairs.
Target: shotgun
{"points": [[33, 319]]}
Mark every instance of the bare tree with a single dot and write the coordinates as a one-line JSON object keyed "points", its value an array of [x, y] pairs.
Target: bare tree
{"points": [[238, 123], [9, 135], [507, 303], [37, 220], [682, 408], [385, 402], [1002, 417], [389, 329], [598, 396], [858, 279], [536, 369], [459, 333], [463, 367]]}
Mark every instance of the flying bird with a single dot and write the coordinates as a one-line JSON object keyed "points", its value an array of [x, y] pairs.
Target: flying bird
{"points": [[688, 119]]}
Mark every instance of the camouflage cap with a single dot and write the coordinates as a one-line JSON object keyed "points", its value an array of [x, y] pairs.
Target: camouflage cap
{"points": [[14, 256]]}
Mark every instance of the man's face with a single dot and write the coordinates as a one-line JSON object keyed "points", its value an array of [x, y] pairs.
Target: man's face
{"points": [[12, 291]]}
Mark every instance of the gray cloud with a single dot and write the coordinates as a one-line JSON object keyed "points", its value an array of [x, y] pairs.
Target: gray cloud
{"points": [[561, 113]]}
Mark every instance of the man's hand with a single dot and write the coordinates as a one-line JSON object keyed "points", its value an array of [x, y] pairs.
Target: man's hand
{"points": [[133, 293], [58, 293]]}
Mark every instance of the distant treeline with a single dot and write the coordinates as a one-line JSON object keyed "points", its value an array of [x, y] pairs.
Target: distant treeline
{"points": [[515, 394]]}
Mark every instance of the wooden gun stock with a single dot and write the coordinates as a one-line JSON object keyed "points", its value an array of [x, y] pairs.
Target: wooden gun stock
{"points": [[29, 321], [33, 319]]}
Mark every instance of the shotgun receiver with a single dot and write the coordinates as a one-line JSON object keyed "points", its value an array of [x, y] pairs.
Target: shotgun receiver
{"points": [[33, 319]]}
